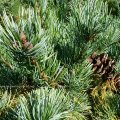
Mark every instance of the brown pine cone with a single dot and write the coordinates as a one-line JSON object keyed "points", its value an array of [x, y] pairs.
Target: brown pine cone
{"points": [[102, 65], [116, 80]]}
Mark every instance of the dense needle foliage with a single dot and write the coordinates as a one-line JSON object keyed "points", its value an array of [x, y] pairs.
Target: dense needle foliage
{"points": [[59, 60]]}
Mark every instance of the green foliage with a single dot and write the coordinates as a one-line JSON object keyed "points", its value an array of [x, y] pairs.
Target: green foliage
{"points": [[79, 79], [4, 101], [21, 58], [7, 101], [114, 103], [11, 6], [60, 35], [113, 7], [80, 36], [46, 104], [104, 113], [109, 108]]}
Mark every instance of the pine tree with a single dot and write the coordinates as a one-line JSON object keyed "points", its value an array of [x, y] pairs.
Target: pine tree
{"points": [[59, 60]]}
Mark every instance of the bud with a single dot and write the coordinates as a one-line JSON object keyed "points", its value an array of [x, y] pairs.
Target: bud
{"points": [[23, 37], [27, 45]]}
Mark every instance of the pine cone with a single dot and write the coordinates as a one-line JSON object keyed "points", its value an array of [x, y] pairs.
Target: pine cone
{"points": [[102, 65], [116, 80]]}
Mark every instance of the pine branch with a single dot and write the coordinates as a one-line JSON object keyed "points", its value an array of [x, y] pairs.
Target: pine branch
{"points": [[6, 63]]}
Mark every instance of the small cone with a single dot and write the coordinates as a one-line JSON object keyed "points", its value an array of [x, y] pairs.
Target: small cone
{"points": [[26, 45], [23, 37]]}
